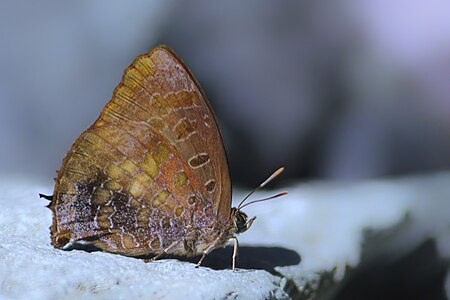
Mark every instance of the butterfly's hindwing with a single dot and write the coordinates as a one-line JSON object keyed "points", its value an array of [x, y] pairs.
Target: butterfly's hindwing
{"points": [[150, 167]]}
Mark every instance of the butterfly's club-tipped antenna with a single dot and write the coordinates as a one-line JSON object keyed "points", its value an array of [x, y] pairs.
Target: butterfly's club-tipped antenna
{"points": [[271, 177], [264, 199]]}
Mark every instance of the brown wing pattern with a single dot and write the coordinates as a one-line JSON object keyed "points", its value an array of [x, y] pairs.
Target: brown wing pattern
{"points": [[150, 167]]}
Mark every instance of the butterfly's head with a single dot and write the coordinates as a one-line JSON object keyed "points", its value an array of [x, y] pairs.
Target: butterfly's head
{"points": [[240, 220]]}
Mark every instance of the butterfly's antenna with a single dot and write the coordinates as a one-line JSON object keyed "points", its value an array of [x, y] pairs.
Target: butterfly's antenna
{"points": [[275, 174], [265, 199]]}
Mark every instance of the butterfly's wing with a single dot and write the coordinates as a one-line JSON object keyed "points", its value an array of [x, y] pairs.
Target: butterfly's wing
{"points": [[152, 166]]}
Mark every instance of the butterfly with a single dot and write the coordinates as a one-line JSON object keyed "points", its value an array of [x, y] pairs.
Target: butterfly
{"points": [[150, 175]]}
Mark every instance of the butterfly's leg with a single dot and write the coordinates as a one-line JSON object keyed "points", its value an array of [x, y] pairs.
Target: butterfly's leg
{"points": [[165, 251], [235, 251], [207, 251]]}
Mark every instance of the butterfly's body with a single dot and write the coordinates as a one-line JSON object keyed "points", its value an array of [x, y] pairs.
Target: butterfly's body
{"points": [[150, 176]]}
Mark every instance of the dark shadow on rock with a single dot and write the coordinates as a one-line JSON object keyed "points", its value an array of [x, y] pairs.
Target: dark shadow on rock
{"points": [[256, 258], [81, 246], [261, 258]]}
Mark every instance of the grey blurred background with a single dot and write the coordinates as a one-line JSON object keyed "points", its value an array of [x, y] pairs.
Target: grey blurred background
{"points": [[329, 89]]}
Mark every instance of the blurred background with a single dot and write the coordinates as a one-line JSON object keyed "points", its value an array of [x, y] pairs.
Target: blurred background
{"points": [[335, 90], [340, 90]]}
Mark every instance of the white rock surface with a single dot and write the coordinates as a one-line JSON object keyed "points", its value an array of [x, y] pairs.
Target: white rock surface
{"points": [[318, 227]]}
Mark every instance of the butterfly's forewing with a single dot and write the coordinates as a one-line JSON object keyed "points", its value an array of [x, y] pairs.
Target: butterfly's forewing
{"points": [[152, 166]]}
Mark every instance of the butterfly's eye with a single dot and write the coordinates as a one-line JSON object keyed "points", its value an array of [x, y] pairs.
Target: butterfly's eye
{"points": [[240, 220]]}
